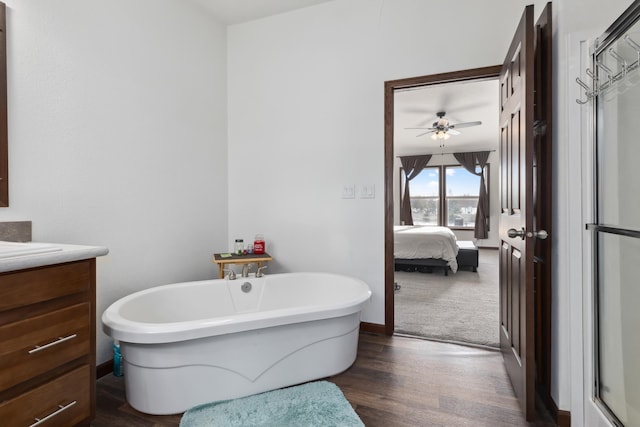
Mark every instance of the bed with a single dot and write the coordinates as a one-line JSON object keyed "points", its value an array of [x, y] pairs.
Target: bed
{"points": [[425, 246]]}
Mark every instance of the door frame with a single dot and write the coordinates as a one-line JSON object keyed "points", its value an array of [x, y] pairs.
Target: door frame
{"points": [[484, 73]]}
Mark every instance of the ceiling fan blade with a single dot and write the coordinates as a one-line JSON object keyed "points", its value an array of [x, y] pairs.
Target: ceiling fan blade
{"points": [[421, 128], [465, 124], [453, 132], [424, 133]]}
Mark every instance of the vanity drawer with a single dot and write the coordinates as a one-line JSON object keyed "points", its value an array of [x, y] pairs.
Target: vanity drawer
{"points": [[65, 401], [26, 287], [35, 345]]}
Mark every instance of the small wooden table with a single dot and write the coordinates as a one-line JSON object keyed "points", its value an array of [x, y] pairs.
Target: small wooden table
{"points": [[239, 259]]}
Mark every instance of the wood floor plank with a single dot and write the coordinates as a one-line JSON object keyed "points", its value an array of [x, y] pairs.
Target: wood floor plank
{"points": [[395, 382]]}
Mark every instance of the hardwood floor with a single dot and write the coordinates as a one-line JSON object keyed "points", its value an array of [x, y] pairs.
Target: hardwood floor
{"points": [[395, 381]]}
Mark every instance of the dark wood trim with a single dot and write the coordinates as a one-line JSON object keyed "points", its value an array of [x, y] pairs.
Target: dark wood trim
{"points": [[93, 339], [390, 86], [389, 312], [543, 147], [373, 328], [104, 369], [4, 134], [490, 72], [563, 418]]}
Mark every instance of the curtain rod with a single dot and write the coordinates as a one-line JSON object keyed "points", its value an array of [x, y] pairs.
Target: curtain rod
{"points": [[433, 154]]}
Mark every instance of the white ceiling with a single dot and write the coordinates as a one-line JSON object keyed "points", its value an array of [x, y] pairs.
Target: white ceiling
{"points": [[463, 102], [231, 12]]}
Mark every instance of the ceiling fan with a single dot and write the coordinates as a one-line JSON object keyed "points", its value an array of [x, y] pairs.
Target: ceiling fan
{"points": [[442, 129]]}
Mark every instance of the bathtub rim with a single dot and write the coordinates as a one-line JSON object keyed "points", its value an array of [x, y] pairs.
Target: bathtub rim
{"points": [[125, 330]]}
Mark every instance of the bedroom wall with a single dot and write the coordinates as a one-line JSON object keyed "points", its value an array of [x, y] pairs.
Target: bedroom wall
{"points": [[117, 136]]}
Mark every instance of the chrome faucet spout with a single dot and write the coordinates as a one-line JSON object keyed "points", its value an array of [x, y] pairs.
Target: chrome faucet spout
{"points": [[232, 274], [245, 270], [259, 273]]}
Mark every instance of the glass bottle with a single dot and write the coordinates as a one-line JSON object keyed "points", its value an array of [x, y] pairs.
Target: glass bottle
{"points": [[239, 247]]}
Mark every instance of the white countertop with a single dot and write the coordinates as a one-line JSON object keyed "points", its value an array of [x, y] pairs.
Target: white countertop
{"points": [[19, 256]]}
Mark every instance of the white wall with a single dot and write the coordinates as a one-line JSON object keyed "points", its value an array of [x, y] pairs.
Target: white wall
{"points": [[310, 84], [117, 136], [306, 107]]}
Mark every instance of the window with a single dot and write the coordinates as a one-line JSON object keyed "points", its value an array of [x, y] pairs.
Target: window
{"points": [[461, 200], [425, 196], [444, 195]]}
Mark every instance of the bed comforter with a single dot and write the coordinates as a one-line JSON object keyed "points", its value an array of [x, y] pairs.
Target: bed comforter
{"points": [[419, 242]]}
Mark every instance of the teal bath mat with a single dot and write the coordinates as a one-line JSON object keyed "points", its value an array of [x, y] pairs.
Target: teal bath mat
{"points": [[314, 404]]}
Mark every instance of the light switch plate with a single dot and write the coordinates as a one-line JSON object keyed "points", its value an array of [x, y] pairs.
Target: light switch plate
{"points": [[348, 191], [368, 191]]}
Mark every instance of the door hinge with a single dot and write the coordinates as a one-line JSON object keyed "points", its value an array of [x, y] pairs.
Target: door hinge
{"points": [[539, 128]]}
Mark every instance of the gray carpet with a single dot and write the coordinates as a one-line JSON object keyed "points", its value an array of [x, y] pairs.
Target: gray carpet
{"points": [[461, 307]]}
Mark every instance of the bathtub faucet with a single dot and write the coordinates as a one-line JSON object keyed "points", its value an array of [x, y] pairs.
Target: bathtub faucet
{"points": [[259, 273], [245, 270], [232, 274]]}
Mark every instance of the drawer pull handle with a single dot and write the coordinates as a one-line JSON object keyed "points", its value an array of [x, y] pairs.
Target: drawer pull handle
{"points": [[52, 343], [60, 409]]}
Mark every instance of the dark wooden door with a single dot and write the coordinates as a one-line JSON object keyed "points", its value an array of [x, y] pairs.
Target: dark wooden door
{"points": [[542, 196], [516, 216]]}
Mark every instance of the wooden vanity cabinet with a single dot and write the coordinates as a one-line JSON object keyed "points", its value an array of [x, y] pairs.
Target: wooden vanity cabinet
{"points": [[47, 345]]}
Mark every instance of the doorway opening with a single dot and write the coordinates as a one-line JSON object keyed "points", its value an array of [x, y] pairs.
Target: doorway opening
{"points": [[391, 186], [526, 147], [446, 278]]}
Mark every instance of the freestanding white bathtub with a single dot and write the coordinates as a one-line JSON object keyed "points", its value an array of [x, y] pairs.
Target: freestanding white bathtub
{"points": [[191, 343]]}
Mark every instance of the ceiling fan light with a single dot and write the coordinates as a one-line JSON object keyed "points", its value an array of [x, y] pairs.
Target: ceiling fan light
{"points": [[440, 135]]}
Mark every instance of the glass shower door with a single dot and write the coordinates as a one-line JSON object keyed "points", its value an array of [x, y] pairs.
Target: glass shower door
{"points": [[616, 232]]}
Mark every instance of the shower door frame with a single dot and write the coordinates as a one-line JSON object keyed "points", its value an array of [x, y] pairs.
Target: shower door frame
{"points": [[629, 17]]}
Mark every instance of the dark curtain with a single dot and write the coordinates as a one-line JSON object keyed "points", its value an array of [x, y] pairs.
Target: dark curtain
{"points": [[412, 166], [469, 162]]}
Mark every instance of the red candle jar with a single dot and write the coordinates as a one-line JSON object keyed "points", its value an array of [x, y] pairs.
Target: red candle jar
{"points": [[258, 244]]}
